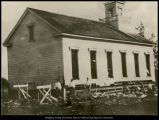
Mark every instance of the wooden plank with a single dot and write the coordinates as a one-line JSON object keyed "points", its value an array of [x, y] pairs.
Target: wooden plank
{"points": [[26, 93], [19, 94], [17, 86], [22, 91], [55, 99], [111, 89], [38, 96], [64, 94], [43, 86]]}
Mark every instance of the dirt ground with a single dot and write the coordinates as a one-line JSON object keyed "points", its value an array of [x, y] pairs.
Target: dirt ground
{"points": [[143, 108]]}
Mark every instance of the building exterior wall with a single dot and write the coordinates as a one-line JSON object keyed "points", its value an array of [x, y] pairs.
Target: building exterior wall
{"points": [[48, 58], [100, 47], [38, 62]]}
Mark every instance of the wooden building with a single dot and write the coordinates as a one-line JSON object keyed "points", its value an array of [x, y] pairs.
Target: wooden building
{"points": [[45, 47]]}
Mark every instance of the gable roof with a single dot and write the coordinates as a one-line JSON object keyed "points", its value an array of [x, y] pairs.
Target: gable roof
{"points": [[85, 27]]}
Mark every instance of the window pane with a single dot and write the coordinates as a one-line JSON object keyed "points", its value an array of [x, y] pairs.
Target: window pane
{"points": [[148, 64], [110, 12], [136, 59], [75, 72], [31, 32], [124, 68], [109, 64], [93, 64]]}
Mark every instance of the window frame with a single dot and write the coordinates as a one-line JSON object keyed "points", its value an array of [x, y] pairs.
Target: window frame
{"points": [[31, 32], [109, 64], [136, 64], [94, 74], [124, 64], [110, 12], [75, 76], [148, 70]]}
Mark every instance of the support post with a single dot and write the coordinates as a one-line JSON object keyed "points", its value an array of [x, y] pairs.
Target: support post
{"points": [[38, 96], [64, 94], [19, 94], [64, 90], [27, 88], [50, 94]]}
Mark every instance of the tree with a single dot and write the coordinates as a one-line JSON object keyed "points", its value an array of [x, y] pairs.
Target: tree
{"points": [[152, 37], [4, 83], [141, 29], [155, 51]]}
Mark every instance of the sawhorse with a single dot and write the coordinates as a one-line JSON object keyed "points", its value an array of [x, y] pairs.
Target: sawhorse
{"points": [[22, 89], [45, 91]]}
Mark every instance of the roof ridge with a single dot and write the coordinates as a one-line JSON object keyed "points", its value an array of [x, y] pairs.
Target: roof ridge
{"points": [[69, 16]]}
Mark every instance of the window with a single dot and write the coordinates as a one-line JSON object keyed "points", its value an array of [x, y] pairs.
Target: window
{"points": [[123, 60], [136, 60], [31, 32], [109, 64], [75, 72], [148, 64], [110, 12], [93, 64]]}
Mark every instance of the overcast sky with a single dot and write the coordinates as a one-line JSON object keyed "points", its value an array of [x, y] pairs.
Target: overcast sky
{"points": [[138, 11]]}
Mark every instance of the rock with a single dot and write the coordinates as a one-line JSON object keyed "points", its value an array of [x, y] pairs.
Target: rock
{"points": [[156, 94], [16, 103], [143, 96]]}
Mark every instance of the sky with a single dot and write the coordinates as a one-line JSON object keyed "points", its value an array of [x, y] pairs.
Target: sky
{"points": [[138, 11]]}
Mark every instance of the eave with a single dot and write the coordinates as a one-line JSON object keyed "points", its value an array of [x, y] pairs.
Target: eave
{"points": [[103, 39]]}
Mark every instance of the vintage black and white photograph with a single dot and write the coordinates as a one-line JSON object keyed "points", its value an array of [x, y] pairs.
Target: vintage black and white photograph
{"points": [[79, 58]]}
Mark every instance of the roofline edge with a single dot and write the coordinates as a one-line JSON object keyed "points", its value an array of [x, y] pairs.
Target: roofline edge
{"points": [[108, 39]]}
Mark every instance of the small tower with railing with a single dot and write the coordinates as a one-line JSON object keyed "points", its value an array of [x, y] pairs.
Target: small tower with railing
{"points": [[114, 14]]}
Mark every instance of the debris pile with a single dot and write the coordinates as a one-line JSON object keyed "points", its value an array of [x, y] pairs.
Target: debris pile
{"points": [[127, 97]]}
